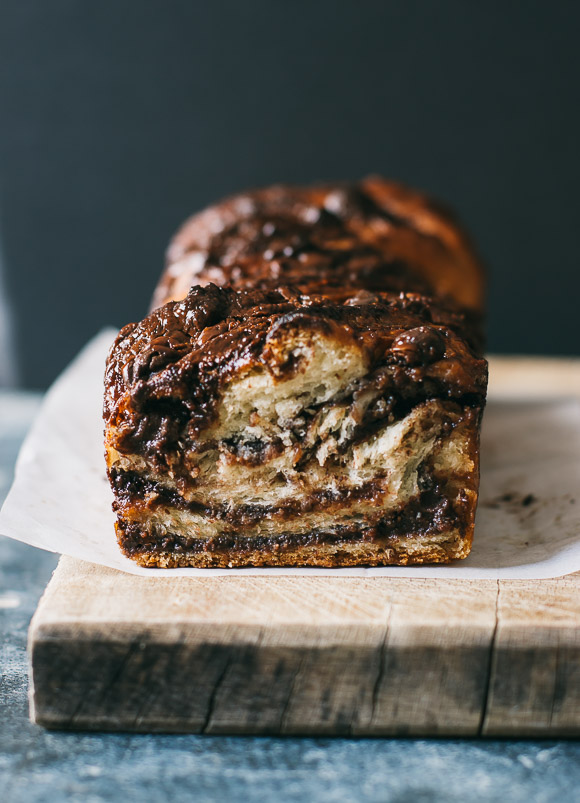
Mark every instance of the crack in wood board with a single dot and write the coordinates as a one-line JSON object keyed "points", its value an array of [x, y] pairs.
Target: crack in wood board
{"points": [[490, 666], [229, 662]]}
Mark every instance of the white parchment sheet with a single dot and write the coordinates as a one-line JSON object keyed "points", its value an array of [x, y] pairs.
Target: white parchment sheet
{"points": [[528, 520]]}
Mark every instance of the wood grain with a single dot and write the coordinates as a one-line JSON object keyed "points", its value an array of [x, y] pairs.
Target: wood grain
{"points": [[535, 680], [256, 655], [313, 655]]}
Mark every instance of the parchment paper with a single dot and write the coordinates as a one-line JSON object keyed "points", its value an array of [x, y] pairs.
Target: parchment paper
{"points": [[528, 521]]}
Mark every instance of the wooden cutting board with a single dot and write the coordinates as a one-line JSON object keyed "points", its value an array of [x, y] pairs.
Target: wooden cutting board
{"points": [[314, 655]]}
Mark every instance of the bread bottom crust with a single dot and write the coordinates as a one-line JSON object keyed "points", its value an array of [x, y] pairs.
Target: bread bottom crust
{"points": [[407, 550]]}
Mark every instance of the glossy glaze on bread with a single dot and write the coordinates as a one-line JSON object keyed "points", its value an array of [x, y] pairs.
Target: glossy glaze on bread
{"points": [[370, 235]]}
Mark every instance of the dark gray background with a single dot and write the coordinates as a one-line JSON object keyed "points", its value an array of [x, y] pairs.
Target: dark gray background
{"points": [[121, 117]]}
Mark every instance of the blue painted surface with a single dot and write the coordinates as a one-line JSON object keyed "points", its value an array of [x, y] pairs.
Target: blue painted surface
{"points": [[36, 765]]}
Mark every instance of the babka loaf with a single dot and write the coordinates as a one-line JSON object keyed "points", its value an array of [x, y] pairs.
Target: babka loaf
{"points": [[307, 390]]}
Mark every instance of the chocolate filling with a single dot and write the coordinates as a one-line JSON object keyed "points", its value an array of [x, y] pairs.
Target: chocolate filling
{"points": [[425, 515], [162, 433], [132, 490], [165, 375]]}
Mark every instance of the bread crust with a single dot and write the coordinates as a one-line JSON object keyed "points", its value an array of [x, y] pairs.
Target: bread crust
{"points": [[415, 549]]}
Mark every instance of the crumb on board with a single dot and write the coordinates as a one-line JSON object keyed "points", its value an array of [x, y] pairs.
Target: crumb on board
{"points": [[513, 499]]}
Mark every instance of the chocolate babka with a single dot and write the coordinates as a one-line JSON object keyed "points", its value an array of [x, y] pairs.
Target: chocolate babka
{"points": [[308, 388]]}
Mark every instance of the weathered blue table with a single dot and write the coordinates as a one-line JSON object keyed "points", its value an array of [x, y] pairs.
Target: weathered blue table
{"points": [[36, 765]]}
